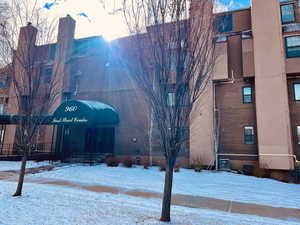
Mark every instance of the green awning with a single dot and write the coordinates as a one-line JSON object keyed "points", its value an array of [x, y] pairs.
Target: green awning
{"points": [[79, 112]]}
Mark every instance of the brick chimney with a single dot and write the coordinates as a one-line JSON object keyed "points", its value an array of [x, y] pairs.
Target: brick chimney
{"points": [[27, 38], [66, 31]]}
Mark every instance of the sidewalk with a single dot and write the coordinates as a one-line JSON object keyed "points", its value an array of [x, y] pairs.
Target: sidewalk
{"points": [[177, 199]]}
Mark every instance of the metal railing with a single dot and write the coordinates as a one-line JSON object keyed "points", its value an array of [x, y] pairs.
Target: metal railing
{"points": [[15, 150]]}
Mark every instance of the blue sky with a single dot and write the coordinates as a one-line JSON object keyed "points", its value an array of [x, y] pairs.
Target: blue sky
{"points": [[93, 18], [235, 4]]}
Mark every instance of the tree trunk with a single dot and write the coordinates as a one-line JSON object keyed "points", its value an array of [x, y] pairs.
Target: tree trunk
{"points": [[21, 176], [166, 205]]}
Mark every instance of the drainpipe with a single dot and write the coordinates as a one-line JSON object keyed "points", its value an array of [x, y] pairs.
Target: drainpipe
{"points": [[282, 155], [216, 121], [215, 127], [150, 137]]}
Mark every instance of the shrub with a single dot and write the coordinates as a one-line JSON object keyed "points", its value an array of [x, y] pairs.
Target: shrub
{"points": [[111, 161], [248, 170], [177, 169], [162, 167], [261, 172], [197, 165], [146, 163], [128, 162]]}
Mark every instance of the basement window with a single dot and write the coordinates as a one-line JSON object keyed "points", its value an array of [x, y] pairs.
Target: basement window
{"points": [[287, 13], [249, 137], [247, 95]]}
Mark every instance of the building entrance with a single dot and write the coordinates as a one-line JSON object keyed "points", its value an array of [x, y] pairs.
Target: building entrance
{"points": [[99, 140], [87, 140], [85, 127]]}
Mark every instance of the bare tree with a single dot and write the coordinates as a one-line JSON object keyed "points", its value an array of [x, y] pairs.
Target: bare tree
{"points": [[171, 56], [21, 34]]}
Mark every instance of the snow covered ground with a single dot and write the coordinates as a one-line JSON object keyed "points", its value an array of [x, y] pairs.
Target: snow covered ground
{"points": [[220, 185], [53, 205], [5, 165]]}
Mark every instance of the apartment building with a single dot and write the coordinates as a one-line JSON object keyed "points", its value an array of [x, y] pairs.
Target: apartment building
{"points": [[248, 113], [251, 112]]}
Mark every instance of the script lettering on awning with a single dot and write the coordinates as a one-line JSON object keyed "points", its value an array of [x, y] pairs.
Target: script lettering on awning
{"points": [[69, 120]]}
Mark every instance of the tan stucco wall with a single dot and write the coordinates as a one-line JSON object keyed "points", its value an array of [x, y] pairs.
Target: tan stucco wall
{"points": [[221, 64], [292, 65], [272, 109], [201, 129], [242, 20], [248, 58]]}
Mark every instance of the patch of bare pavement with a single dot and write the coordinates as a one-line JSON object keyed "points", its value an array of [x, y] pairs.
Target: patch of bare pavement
{"points": [[177, 199]]}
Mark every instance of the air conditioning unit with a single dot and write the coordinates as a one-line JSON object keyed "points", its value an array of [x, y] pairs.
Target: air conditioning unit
{"points": [[224, 164]]}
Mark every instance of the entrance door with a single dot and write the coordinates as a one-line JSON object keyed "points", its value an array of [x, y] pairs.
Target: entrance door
{"points": [[99, 140], [91, 140], [106, 140]]}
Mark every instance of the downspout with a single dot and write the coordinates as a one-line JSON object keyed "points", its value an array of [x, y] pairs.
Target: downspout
{"points": [[150, 137], [216, 142], [283, 155]]}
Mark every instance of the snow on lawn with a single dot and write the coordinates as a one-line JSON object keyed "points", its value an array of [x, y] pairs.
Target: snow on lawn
{"points": [[53, 205], [220, 185], [6, 165]]}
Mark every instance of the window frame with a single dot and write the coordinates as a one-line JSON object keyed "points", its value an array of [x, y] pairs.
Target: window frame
{"points": [[253, 135], [286, 47], [221, 29], [298, 135], [171, 96], [46, 75], [294, 91], [294, 12], [2, 108], [243, 95]]}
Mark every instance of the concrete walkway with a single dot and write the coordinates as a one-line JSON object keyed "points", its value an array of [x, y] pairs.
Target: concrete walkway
{"points": [[177, 199]]}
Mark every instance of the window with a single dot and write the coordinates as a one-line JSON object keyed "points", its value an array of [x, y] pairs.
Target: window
{"points": [[81, 47], [67, 96], [67, 131], [46, 76], [3, 81], [173, 62], [1, 108], [52, 51], [297, 91], [2, 131], [287, 13], [298, 135], [171, 99], [224, 23], [247, 95], [292, 46], [249, 137]]}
